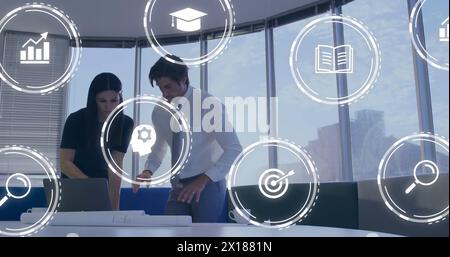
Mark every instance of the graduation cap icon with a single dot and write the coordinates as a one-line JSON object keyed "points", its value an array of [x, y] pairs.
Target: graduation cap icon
{"points": [[187, 19]]}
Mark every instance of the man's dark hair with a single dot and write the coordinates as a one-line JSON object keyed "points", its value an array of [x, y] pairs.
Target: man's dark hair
{"points": [[102, 82], [165, 68]]}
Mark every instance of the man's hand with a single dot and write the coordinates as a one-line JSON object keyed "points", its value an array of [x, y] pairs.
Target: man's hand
{"points": [[193, 189], [145, 176]]}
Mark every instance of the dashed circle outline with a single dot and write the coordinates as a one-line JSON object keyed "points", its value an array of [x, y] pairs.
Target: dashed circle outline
{"points": [[54, 199], [69, 73], [421, 51], [307, 161], [181, 162], [210, 56], [390, 204], [370, 81]]}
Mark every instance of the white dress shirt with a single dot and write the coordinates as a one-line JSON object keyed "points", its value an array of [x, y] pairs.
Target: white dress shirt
{"points": [[212, 153]]}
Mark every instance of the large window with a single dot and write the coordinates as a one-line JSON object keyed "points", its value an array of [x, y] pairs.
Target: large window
{"points": [[439, 79], [98, 60], [31, 120], [239, 76], [312, 125], [389, 111], [433, 13]]}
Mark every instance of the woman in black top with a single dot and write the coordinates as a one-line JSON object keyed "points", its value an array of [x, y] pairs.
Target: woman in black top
{"points": [[81, 155]]}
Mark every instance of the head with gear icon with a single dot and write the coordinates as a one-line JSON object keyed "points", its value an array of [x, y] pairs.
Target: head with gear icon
{"points": [[143, 139]]}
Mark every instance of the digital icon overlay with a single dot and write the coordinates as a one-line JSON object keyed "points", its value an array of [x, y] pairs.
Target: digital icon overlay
{"points": [[316, 59], [417, 194], [19, 186], [430, 39], [191, 20], [143, 139], [37, 49], [187, 20], [145, 136], [274, 189], [444, 31], [33, 54], [273, 183], [26, 184], [334, 59], [428, 165]]}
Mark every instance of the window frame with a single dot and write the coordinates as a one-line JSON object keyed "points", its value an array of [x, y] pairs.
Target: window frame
{"points": [[424, 103]]}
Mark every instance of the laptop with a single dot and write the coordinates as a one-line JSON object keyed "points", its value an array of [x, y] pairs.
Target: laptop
{"points": [[80, 194]]}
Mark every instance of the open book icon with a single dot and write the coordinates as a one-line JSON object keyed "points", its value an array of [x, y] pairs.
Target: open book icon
{"points": [[334, 59]]}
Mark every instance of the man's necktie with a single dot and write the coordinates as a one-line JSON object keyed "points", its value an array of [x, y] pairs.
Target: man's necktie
{"points": [[177, 138]]}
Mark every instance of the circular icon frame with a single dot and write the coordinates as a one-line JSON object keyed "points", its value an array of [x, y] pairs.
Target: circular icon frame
{"points": [[304, 158], [369, 82], [387, 199], [75, 58], [415, 38], [55, 196], [176, 114], [210, 56]]}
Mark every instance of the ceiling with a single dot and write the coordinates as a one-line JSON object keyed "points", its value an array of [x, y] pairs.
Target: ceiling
{"points": [[124, 18]]}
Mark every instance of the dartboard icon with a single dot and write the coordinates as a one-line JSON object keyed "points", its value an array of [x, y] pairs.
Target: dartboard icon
{"points": [[274, 183]]}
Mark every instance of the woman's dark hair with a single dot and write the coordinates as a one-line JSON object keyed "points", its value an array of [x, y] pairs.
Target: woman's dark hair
{"points": [[102, 82], [165, 68]]}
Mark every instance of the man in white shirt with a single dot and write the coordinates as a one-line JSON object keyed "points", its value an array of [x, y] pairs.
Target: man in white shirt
{"points": [[200, 188]]}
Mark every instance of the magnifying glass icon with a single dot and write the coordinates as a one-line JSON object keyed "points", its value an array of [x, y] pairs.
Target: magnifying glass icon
{"points": [[26, 182], [429, 165]]}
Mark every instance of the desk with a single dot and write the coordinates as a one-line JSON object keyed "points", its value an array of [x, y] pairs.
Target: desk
{"points": [[202, 230]]}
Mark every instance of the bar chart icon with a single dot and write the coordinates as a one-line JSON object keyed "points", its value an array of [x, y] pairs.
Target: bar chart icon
{"points": [[36, 52], [444, 31]]}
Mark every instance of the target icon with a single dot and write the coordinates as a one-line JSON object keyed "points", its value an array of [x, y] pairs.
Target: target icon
{"points": [[273, 183]]}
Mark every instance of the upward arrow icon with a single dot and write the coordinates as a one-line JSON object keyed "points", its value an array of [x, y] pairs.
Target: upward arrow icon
{"points": [[43, 36]]}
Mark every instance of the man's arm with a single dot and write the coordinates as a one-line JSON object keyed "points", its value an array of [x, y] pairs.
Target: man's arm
{"points": [[159, 149]]}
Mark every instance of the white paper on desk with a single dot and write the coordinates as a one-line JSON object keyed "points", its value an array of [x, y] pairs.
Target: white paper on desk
{"points": [[36, 209], [108, 219], [156, 221], [131, 212], [80, 218], [136, 213]]}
